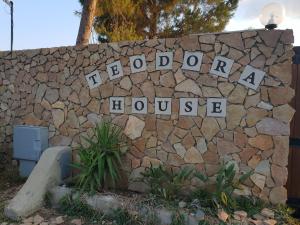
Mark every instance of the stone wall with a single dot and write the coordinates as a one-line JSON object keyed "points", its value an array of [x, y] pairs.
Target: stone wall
{"points": [[48, 87]]}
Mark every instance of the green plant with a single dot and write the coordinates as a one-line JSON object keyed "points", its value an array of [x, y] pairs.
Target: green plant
{"points": [[203, 196], [252, 205], [226, 183], [166, 183], [151, 219], [75, 207], [47, 199], [203, 222], [123, 217], [283, 215], [100, 162], [178, 219]]}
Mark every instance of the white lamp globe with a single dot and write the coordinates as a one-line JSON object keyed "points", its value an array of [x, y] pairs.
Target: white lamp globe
{"points": [[271, 15]]}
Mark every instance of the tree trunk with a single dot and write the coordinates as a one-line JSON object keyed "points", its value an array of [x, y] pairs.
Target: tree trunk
{"points": [[86, 22], [154, 10]]}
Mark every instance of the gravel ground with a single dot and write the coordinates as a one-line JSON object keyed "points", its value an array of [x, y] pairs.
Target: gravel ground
{"points": [[10, 184]]}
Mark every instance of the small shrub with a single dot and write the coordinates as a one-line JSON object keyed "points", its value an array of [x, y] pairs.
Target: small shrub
{"points": [[100, 162], [47, 200], [226, 183], [178, 219], [123, 217], [204, 197], [250, 204], [166, 183], [151, 219], [203, 222], [283, 215]]}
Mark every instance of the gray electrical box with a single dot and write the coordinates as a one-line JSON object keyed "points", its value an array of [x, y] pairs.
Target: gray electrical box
{"points": [[29, 142]]}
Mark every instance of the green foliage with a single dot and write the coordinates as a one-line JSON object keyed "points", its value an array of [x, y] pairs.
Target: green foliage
{"points": [[118, 20], [47, 199], [203, 222], [226, 183], [151, 219], [252, 205], [74, 207], [178, 219], [283, 215], [204, 197], [165, 183], [123, 217], [198, 16], [100, 162]]}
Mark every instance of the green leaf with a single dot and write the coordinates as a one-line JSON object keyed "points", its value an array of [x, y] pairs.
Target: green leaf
{"points": [[201, 176], [101, 160]]}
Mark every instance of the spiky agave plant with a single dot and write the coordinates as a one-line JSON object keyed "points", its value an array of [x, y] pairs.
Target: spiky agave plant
{"points": [[226, 183], [166, 183], [100, 162]]}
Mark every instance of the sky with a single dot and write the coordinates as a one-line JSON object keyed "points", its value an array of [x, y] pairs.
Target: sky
{"points": [[45, 23], [246, 16], [39, 23]]}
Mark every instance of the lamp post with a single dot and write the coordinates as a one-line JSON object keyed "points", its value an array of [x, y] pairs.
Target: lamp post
{"points": [[11, 5], [271, 15]]}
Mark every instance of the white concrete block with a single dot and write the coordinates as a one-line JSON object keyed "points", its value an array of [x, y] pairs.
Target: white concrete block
{"points": [[46, 174]]}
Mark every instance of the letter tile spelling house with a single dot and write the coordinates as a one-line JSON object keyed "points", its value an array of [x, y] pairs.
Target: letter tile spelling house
{"points": [[199, 101]]}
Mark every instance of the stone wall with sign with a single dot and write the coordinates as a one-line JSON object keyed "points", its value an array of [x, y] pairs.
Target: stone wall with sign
{"points": [[200, 101]]}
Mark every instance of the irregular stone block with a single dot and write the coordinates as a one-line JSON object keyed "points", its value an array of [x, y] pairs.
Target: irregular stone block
{"points": [[232, 39], [234, 115], [226, 147], [270, 37], [281, 151], [259, 180], [164, 215], [192, 155], [210, 128], [263, 142], [134, 127], [57, 193], [272, 127], [189, 86], [283, 113], [282, 71], [278, 195], [280, 95], [104, 204]]}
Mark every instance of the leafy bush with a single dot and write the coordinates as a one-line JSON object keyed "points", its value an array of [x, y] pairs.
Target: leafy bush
{"points": [[226, 183], [178, 219], [166, 183], [252, 205], [204, 197], [100, 162], [283, 214], [203, 222], [123, 217], [151, 219]]}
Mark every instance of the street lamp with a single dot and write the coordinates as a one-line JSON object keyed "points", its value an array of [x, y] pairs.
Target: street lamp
{"points": [[11, 5], [271, 15]]}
